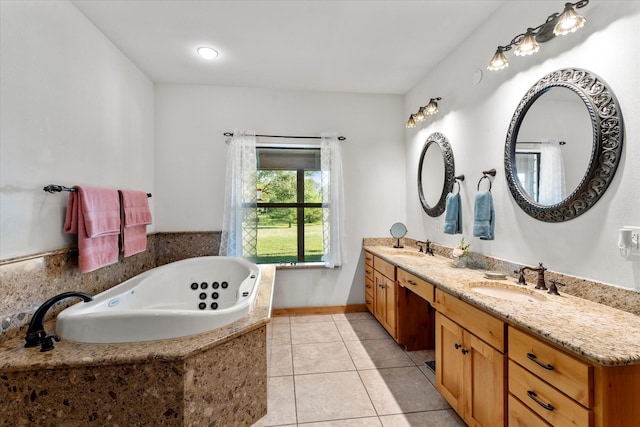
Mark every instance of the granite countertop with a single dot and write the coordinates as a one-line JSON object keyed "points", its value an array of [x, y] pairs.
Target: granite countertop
{"points": [[14, 357], [601, 334]]}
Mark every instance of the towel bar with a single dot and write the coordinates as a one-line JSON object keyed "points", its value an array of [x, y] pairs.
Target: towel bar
{"points": [[58, 188]]}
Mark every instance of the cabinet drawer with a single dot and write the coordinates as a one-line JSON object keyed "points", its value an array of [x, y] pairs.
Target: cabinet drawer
{"points": [[368, 298], [368, 272], [368, 285], [368, 258], [421, 287], [384, 267], [571, 376], [550, 404], [521, 416], [481, 324]]}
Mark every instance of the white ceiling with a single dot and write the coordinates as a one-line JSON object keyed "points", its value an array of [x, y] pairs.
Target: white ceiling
{"points": [[383, 46]]}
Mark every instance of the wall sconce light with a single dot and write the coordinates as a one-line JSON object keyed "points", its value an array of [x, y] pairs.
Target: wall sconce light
{"points": [[428, 110], [629, 241], [557, 24]]}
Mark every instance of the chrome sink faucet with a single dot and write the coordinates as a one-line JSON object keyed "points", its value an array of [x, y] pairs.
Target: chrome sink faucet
{"points": [[540, 283], [36, 336]]}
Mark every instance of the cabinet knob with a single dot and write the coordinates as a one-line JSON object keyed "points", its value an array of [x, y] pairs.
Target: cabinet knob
{"points": [[457, 346], [465, 351]]}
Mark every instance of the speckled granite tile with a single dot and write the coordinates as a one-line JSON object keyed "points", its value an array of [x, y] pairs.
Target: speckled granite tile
{"points": [[613, 296], [148, 394], [602, 334], [214, 378], [172, 247], [28, 281], [14, 357], [227, 385]]}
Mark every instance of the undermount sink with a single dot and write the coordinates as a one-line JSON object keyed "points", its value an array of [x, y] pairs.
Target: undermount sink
{"points": [[408, 252], [506, 292]]}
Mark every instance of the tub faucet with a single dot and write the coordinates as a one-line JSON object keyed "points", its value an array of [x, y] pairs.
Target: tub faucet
{"points": [[35, 334], [540, 284]]}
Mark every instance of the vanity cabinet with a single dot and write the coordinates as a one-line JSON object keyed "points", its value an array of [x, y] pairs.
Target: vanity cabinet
{"points": [[368, 281], [385, 295], [470, 361], [416, 315], [555, 386]]}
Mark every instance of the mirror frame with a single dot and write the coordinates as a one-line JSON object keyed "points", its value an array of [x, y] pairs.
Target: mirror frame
{"points": [[449, 173], [606, 149]]}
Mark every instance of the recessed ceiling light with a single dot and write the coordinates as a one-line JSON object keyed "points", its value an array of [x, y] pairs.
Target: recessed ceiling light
{"points": [[207, 52]]}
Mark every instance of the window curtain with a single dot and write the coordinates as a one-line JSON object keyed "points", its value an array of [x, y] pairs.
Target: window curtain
{"points": [[240, 226], [552, 182], [332, 199]]}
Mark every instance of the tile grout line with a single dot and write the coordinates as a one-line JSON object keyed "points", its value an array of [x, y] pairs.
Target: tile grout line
{"points": [[360, 377]]}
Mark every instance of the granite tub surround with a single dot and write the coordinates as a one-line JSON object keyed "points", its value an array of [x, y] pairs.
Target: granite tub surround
{"points": [[598, 333], [209, 379], [613, 296], [30, 280], [176, 246]]}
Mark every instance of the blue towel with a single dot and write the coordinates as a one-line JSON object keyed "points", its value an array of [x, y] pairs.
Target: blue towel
{"points": [[484, 216], [453, 214]]}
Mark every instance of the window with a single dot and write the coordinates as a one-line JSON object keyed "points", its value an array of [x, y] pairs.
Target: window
{"points": [[289, 205], [284, 204]]}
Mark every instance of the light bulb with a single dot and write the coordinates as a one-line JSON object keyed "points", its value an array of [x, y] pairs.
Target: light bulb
{"points": [[207, 52], [528, 45], [420, 117], [569, 21], [431, 108], [411, 123], [498, 62]]}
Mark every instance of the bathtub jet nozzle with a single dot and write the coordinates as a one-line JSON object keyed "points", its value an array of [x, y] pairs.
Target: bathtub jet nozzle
{"points": [[36, 334]]}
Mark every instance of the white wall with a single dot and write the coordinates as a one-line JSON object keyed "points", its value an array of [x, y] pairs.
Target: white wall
{"points": [[74, 111], [191, 155], [475, 118]]}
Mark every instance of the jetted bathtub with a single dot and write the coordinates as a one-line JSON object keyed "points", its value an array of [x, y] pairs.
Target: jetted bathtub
{"points": [[182, 298]]}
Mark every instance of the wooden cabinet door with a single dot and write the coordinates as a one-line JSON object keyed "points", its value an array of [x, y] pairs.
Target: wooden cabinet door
{"points": [[483, 383], [379, 296], [449, 362], [391, 303], [385, 302]]}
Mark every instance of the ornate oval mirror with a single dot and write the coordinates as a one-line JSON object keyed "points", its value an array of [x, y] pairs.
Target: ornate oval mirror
{"points": [[436, 174], [563, 145]]}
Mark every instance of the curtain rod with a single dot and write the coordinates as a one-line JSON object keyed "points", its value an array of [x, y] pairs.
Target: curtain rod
{"points": [[340, 138]]}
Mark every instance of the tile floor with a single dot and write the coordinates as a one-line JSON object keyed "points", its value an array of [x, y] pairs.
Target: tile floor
{"points": [[345, 370]]}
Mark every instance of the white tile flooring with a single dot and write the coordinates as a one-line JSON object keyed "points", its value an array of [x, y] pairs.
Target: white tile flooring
{"points": [[345, 370]]}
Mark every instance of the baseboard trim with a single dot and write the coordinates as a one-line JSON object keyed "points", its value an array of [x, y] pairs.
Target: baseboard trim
{"points": [[301, 311]]}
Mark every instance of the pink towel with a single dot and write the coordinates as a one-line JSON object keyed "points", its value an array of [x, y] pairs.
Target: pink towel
{"points": [[94, 214], [135, 218]]}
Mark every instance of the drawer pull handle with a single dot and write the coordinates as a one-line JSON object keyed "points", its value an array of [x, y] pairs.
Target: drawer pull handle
{"points": [[534, 397], [367, 286], [411, 282], [367, 302], [534, 359]]}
